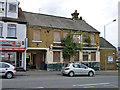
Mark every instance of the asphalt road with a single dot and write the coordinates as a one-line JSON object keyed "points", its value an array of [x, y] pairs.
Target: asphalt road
{"points": [[56, 80]]}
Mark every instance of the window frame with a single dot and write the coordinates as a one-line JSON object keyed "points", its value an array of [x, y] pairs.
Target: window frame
{"points": [[57, 41], [9, 27], [33, 38], [13, 10], [1, 26], [54, 52]]}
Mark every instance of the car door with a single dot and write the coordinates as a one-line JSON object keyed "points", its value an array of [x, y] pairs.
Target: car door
{"points": [[84, 69], [76, 68], [5, 68]]}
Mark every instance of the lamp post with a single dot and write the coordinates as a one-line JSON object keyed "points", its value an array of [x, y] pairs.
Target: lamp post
{"points": [[105, 41]]}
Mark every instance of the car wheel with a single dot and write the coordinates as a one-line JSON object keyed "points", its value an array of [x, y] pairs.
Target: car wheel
{"points": [[9, 75], [71, 74], [91, 74]]}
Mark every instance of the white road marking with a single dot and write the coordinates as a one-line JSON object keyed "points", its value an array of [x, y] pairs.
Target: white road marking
{"points": [[37, 87], [92, 84]]}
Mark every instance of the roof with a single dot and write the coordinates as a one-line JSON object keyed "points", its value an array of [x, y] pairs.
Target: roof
{"points": [[43, 20], [108, 44], [20, 19]]}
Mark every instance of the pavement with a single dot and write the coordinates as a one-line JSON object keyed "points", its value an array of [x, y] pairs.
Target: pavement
{"points": [[42, 72]]}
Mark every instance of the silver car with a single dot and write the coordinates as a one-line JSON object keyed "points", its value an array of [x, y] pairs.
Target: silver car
{"points": [[7, 70], [72, 69]]}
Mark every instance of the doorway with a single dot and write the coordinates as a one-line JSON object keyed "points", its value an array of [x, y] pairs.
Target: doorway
{"points": [[19, 59]]}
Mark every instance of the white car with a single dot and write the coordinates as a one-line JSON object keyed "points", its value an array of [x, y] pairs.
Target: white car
{"points": [[72, 69], [7, 70]]}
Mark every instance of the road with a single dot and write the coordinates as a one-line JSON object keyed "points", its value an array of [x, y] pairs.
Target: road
{"points": [[56, 80]]}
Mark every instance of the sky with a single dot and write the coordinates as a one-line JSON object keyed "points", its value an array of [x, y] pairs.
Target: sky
{"points": [[97, 13]]}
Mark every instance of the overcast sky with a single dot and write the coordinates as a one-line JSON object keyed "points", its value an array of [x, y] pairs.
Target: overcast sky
{"points": [[97, 13]]}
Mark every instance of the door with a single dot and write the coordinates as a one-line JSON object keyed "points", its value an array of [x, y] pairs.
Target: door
{"points": [[84, 69], [19, 59], [76, 68]]}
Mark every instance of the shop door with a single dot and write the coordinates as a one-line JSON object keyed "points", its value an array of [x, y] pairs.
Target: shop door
{"points": [[19, 59]]}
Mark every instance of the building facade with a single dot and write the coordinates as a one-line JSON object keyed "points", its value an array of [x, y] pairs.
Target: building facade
{"points": [[12, 34], [111, 55], [45, 32]]}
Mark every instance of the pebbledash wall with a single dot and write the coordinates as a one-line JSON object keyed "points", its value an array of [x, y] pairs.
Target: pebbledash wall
{"points": [[12, 34]]}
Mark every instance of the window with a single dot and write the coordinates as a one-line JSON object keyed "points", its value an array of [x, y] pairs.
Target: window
{"points": [[76, 58], [36, 35], [11, 30], [57, 36], [76, 66], [65, 34], [5, 66], [83, 66], [85, 35], [77, 38], [85, 56], [92, 38], [1, 7], [1, 29], [56, 56], [93, 56], [12, 8]]}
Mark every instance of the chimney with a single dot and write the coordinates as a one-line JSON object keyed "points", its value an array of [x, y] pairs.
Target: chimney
{"points": [[75, 15]]}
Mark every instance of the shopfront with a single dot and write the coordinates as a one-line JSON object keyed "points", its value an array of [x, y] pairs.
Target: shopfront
{"points": [[13, 53]]}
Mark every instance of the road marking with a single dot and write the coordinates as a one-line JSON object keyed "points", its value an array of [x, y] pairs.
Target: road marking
{"points": [[37, 87], [89, 87], [92, 84], [111, 85]]}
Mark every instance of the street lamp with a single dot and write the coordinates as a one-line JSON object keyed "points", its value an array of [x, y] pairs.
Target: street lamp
{"points": [[105, 41]]}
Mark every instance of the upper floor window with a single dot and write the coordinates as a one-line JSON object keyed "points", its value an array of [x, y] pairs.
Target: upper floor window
{"points": [[57, 37], [1, 29], [85, 35], [12, 7], [92, 37], [36, 35], [77, 38], [11, 30], [1, 7], [65, 34]]}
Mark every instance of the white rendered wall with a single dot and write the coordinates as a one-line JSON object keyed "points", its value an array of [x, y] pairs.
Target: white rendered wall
{"points": [[6, 12]]}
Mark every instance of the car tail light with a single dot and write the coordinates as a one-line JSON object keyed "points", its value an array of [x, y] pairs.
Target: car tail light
{"points": [[14, 69], [67, 68]]}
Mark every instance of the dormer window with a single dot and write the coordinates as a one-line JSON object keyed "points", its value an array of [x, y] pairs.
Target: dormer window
{"points": [[12, 7]]}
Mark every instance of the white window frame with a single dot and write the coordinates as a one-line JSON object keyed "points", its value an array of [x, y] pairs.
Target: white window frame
{"points": [[39, 41], [80, 36], [58, 42], [12, 5], [9, 27], [1, 28]]}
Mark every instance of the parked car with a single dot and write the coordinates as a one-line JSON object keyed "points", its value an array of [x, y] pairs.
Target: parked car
{"points": [[7, 70], [72, 69]]}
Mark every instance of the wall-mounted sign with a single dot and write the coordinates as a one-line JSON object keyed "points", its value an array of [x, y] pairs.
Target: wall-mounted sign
{"points": [[13, 49], [110, 58], [77, 38], [85, 53], [4, 43]]}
